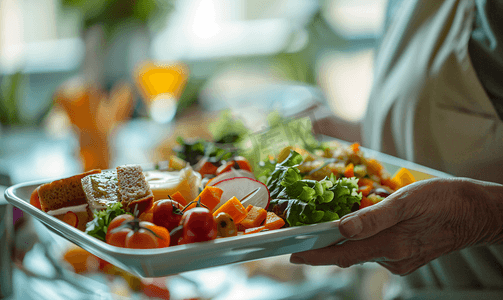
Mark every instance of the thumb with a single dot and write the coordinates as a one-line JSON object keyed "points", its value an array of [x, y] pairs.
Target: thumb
{"points": [[370, 220]]}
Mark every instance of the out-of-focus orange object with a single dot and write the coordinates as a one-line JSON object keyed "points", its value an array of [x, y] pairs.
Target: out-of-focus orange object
{"points": [[81, 260], [155, 78], [161, 86], [94, 114]]}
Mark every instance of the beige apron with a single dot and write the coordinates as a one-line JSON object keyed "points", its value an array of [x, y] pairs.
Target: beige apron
{"points": [[428, 106]]}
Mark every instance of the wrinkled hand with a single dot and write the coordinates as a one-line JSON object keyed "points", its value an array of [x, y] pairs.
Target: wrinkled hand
{"points": [[415, 225]]}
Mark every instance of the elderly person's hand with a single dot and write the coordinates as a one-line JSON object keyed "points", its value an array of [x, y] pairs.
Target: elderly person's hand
{"points": [[417, 224]]}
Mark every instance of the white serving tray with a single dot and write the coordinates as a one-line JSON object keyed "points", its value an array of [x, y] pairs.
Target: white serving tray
{"points": [[182, 258]]}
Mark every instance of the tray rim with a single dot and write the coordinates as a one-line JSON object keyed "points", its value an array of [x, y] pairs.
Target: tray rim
{"points": [[120, 256]]}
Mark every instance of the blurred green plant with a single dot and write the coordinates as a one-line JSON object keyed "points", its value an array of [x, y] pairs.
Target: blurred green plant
{"points": [[10, 95], [111, 13]]}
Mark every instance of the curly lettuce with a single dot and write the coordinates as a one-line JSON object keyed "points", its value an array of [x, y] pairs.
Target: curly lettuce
{"points": [[302, 201]]}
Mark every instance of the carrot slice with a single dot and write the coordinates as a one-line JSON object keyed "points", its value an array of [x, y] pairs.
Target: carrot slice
{"points": [[254, 218], [234, 208], [208, 168], [71, 219], [365, 182], [178, 197], [374, 167], [391, 183], [350, 170], [355, 147], [210, 197], [365, 190], [273, 221]]}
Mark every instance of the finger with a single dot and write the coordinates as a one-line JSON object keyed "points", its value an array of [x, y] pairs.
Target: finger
{"points": [[373, 219], [404, 267], [388, 245]]}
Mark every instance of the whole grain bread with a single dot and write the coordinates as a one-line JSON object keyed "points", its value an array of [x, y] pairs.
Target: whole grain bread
{"points": [[134, 189], [101, 189], [63, 192]]}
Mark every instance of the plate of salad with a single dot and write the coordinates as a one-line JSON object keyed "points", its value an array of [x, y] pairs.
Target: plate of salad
{"points": [[213, 203]]}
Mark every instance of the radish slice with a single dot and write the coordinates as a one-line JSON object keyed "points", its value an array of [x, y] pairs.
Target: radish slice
{"points": [[231, 174], [242, 186], [71, 219]]}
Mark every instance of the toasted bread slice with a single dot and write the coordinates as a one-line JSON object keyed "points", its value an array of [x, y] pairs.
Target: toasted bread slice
{"points": [[135, 192], [101, 189], [64, 192]]}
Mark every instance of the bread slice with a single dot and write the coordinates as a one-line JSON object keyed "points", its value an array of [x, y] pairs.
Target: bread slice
{"points": [[135, 192], [64, 192], [101, 189]]}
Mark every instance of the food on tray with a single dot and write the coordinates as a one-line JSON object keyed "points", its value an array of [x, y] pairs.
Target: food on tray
{"points": [[241, 187], [136, 195], [166, 183], [129, 232], [167, 213], [101, 189], [98, 227], [63, 193], [60, 197]]}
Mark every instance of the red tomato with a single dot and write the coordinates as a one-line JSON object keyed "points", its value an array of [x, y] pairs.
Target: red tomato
{"points": [[141, 239], [136, 234], [118, 237], [162, 234], [199, 225], [116, 222], [238, 162], [167, 213]]}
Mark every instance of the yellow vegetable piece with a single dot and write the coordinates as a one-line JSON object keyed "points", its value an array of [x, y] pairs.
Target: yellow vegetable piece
{"points": [[403, 177]]}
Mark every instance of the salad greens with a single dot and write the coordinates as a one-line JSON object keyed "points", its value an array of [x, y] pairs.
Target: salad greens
{"points": [[99, 225], [303, 201], [192, 152]]}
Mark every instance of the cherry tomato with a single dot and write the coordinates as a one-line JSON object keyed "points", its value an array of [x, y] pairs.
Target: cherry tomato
{"points": [[237, 162], [199, 225], [141, 239], [167, 213], [162, 234], [118, 237], [116, 222], [134, 233]]}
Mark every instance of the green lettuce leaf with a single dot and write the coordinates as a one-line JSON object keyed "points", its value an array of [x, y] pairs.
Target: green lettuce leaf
{"points": [[99, 225], [302, 201]]}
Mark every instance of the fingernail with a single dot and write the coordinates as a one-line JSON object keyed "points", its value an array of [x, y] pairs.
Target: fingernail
{"points": [[351, 226], [296, 260]]}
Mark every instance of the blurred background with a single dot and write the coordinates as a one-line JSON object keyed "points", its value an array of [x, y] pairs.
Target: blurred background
{"points": [[94, 84]]}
